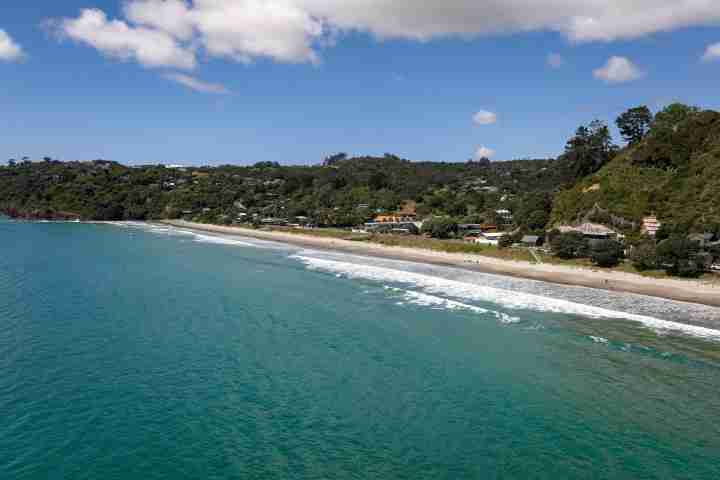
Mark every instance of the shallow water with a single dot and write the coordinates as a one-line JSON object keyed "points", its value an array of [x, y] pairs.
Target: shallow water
{"points": [[151, 352]]}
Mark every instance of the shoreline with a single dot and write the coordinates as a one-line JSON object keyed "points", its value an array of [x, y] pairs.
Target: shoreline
{"points": [[691, 291]]}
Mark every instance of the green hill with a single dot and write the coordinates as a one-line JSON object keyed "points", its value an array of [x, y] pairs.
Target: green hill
{"points": [[673, 172]]}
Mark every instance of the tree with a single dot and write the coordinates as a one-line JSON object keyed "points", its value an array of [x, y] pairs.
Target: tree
{"points": [[634, 124], [644, 256], [587, 151], [569, 245], [334, 159], [671, 116], [440, 227], [606, 253], [678, 256]]}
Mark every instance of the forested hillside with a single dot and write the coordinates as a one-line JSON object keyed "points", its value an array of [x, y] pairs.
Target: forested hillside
{"points": [[672, 169], [342, 191]]}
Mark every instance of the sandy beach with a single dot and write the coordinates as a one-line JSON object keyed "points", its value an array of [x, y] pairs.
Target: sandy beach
{"points": [[675, 289]]}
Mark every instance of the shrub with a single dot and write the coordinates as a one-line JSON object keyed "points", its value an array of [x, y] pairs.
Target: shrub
{"points": [[644, 256], [606, 253], [678, 256], [440, 227], [570, 245]]}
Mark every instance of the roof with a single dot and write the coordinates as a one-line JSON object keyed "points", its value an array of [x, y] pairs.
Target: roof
{"points": [[530, 239], [494, 235], [701, 237], [588, 228]]}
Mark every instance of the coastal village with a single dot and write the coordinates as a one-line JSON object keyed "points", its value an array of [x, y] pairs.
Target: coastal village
{"points": [[643, 208]]}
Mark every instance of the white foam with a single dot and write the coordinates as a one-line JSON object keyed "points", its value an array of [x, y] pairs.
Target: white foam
{"points": [[426, 300], [173, 231], [507, 298], [198, 237]]}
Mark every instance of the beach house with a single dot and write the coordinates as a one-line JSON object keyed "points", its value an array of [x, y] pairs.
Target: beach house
{"points": [[650, 225], [591, 231]]}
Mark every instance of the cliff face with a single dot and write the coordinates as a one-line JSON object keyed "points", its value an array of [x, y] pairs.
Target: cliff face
{"points": [[674, 173]]}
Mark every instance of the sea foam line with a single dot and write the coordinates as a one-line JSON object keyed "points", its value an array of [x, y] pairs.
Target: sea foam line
{"points": [[509, 299], [172, 231], [426, 300]]}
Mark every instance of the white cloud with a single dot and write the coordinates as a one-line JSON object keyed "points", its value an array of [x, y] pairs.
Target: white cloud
{"points": [[294, 30], [197, 84], [484, 117], [9, 50], [618, 70], [712, 52], [150, 47], [484, 152], [245, 29], [555, 60], [171, 16], [586, 20]]}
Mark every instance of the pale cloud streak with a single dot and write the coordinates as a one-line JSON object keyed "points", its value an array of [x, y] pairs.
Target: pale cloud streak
{"points": [[618, 70], [197, 84], [9, 50]]}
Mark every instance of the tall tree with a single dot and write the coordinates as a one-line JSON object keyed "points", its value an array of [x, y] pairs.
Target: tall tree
{"points": [[587, 151], [634, 124], [672, 115]]}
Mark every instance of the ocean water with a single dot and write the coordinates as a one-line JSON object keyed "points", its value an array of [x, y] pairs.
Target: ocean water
{"points": [[131, 351]]}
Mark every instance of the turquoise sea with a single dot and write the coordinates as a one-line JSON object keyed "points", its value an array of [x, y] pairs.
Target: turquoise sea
{"points": [[133, 351]]}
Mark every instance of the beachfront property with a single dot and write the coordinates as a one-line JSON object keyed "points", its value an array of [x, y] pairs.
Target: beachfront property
{"points": [[403, 221], [650, 225], [531, 241], [592, 231], [272, 221], [702, 239], [488, 238]]}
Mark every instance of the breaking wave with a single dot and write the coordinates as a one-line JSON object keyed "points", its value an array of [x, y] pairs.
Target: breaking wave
{"points": [[510, 299]]}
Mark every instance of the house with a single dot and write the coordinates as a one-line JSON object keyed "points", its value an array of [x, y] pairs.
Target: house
{"points": [[702, 239], [274, 221], [531, 241], [470, 228], [505, 216], [395, 218], [650, 225], [488, 238], [591, 231]]}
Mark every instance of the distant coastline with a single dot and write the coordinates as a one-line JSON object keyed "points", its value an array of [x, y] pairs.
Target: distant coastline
{"points": [[692, 291]]}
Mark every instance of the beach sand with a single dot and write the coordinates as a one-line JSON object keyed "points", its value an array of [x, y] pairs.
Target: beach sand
{"points": [[693, 291]]}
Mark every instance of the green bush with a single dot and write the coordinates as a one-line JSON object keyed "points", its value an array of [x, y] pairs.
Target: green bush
{"points": [[606, 253], [644, 256], [440, 227], [679, 257], [569, 245]]}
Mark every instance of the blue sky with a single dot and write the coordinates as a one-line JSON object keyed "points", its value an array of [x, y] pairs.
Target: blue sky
{"points": [[304, 80]]}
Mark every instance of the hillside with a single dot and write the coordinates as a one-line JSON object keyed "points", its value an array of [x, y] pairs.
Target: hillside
{"points": [[673, 172], [342, 191]]}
